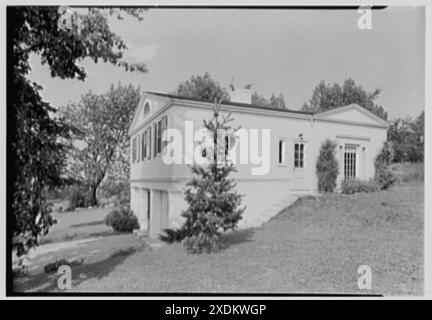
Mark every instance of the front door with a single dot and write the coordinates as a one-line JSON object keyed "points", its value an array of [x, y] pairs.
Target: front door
{"points": [[350, 161]]}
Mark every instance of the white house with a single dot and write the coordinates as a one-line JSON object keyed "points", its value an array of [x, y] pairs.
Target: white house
{"points": [[283, 148]]}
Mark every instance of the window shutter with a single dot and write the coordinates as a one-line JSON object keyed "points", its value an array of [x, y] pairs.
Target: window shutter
{"points": [[164, 128]]}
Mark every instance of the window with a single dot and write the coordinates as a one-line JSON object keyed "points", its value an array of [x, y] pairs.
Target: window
{"points": [[164, 128], [281, 154], [350, 156], [146, 109], [298, 155], [159, 128], [159, 137]]}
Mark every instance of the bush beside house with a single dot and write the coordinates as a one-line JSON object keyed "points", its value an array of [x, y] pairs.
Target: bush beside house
{"points": [[327, 167], [385, 175], [122, 220], [351, 186]]}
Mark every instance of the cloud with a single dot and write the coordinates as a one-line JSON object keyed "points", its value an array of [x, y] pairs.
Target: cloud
{"points": [[142, 54]]}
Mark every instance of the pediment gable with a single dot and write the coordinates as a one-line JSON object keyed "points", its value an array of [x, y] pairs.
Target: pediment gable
{"points": [[352, 113], [147, 106]]}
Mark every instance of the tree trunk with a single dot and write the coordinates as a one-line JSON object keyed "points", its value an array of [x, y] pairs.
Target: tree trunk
{"points": [[93, 200]]}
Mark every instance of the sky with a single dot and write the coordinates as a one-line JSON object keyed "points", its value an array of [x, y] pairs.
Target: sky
{"points": [[281, 51]]}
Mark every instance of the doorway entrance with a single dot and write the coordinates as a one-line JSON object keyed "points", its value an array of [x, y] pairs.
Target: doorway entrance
{"points": [[350, 161], [158, 212]]}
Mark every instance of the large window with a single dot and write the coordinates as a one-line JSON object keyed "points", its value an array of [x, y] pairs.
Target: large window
{"points": [[281, 153], [298, 155], [350, 157], [159, 129]]}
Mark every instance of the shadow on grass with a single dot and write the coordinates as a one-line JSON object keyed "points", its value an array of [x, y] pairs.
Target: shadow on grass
{"points": [[47, 282], [88, 224], [107, 233], [237, 237]]}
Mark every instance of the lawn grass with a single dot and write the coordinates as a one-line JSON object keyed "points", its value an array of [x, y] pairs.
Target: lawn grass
{"points": [[78, 236], [316, 245]]}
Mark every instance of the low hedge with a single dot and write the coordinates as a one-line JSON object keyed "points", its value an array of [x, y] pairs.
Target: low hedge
{"points": [[351, 186]]}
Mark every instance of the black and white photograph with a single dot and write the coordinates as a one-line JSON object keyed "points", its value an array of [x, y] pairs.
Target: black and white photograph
{"points": [[155, 149]]}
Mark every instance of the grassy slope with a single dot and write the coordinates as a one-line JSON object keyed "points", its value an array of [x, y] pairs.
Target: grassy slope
{"points": [[316, 245]]}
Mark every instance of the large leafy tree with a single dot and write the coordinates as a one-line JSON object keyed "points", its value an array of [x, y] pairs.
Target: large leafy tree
{"points": [[202, 87], [276, 102], [407, 138], [102, 142], [206, 88], [329, 96], [37, 137]]}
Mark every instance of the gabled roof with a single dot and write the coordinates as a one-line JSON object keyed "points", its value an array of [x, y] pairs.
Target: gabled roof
{"points": [[362, 115], [345, 114], [228, 103]]}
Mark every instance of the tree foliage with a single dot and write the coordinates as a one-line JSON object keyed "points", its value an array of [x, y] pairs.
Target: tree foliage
{"points": [[206, 88], [38, 142], [407, 137], [202, 87], [276, 102], [327, 96], [103, 121], [384, 175], [327, 167]]}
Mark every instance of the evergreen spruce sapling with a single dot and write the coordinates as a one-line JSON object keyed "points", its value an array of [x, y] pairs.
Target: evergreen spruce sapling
{"points": [[214, 204]]}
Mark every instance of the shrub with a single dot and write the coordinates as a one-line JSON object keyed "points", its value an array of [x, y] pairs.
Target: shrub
{"points": [[122, 220], [351, 186], [386, 155], [203, 242], [173, 235], [327, 167], [77, 198], [384, 175], [123, 197], [19, 269], [110, 188], [409, 171]]}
